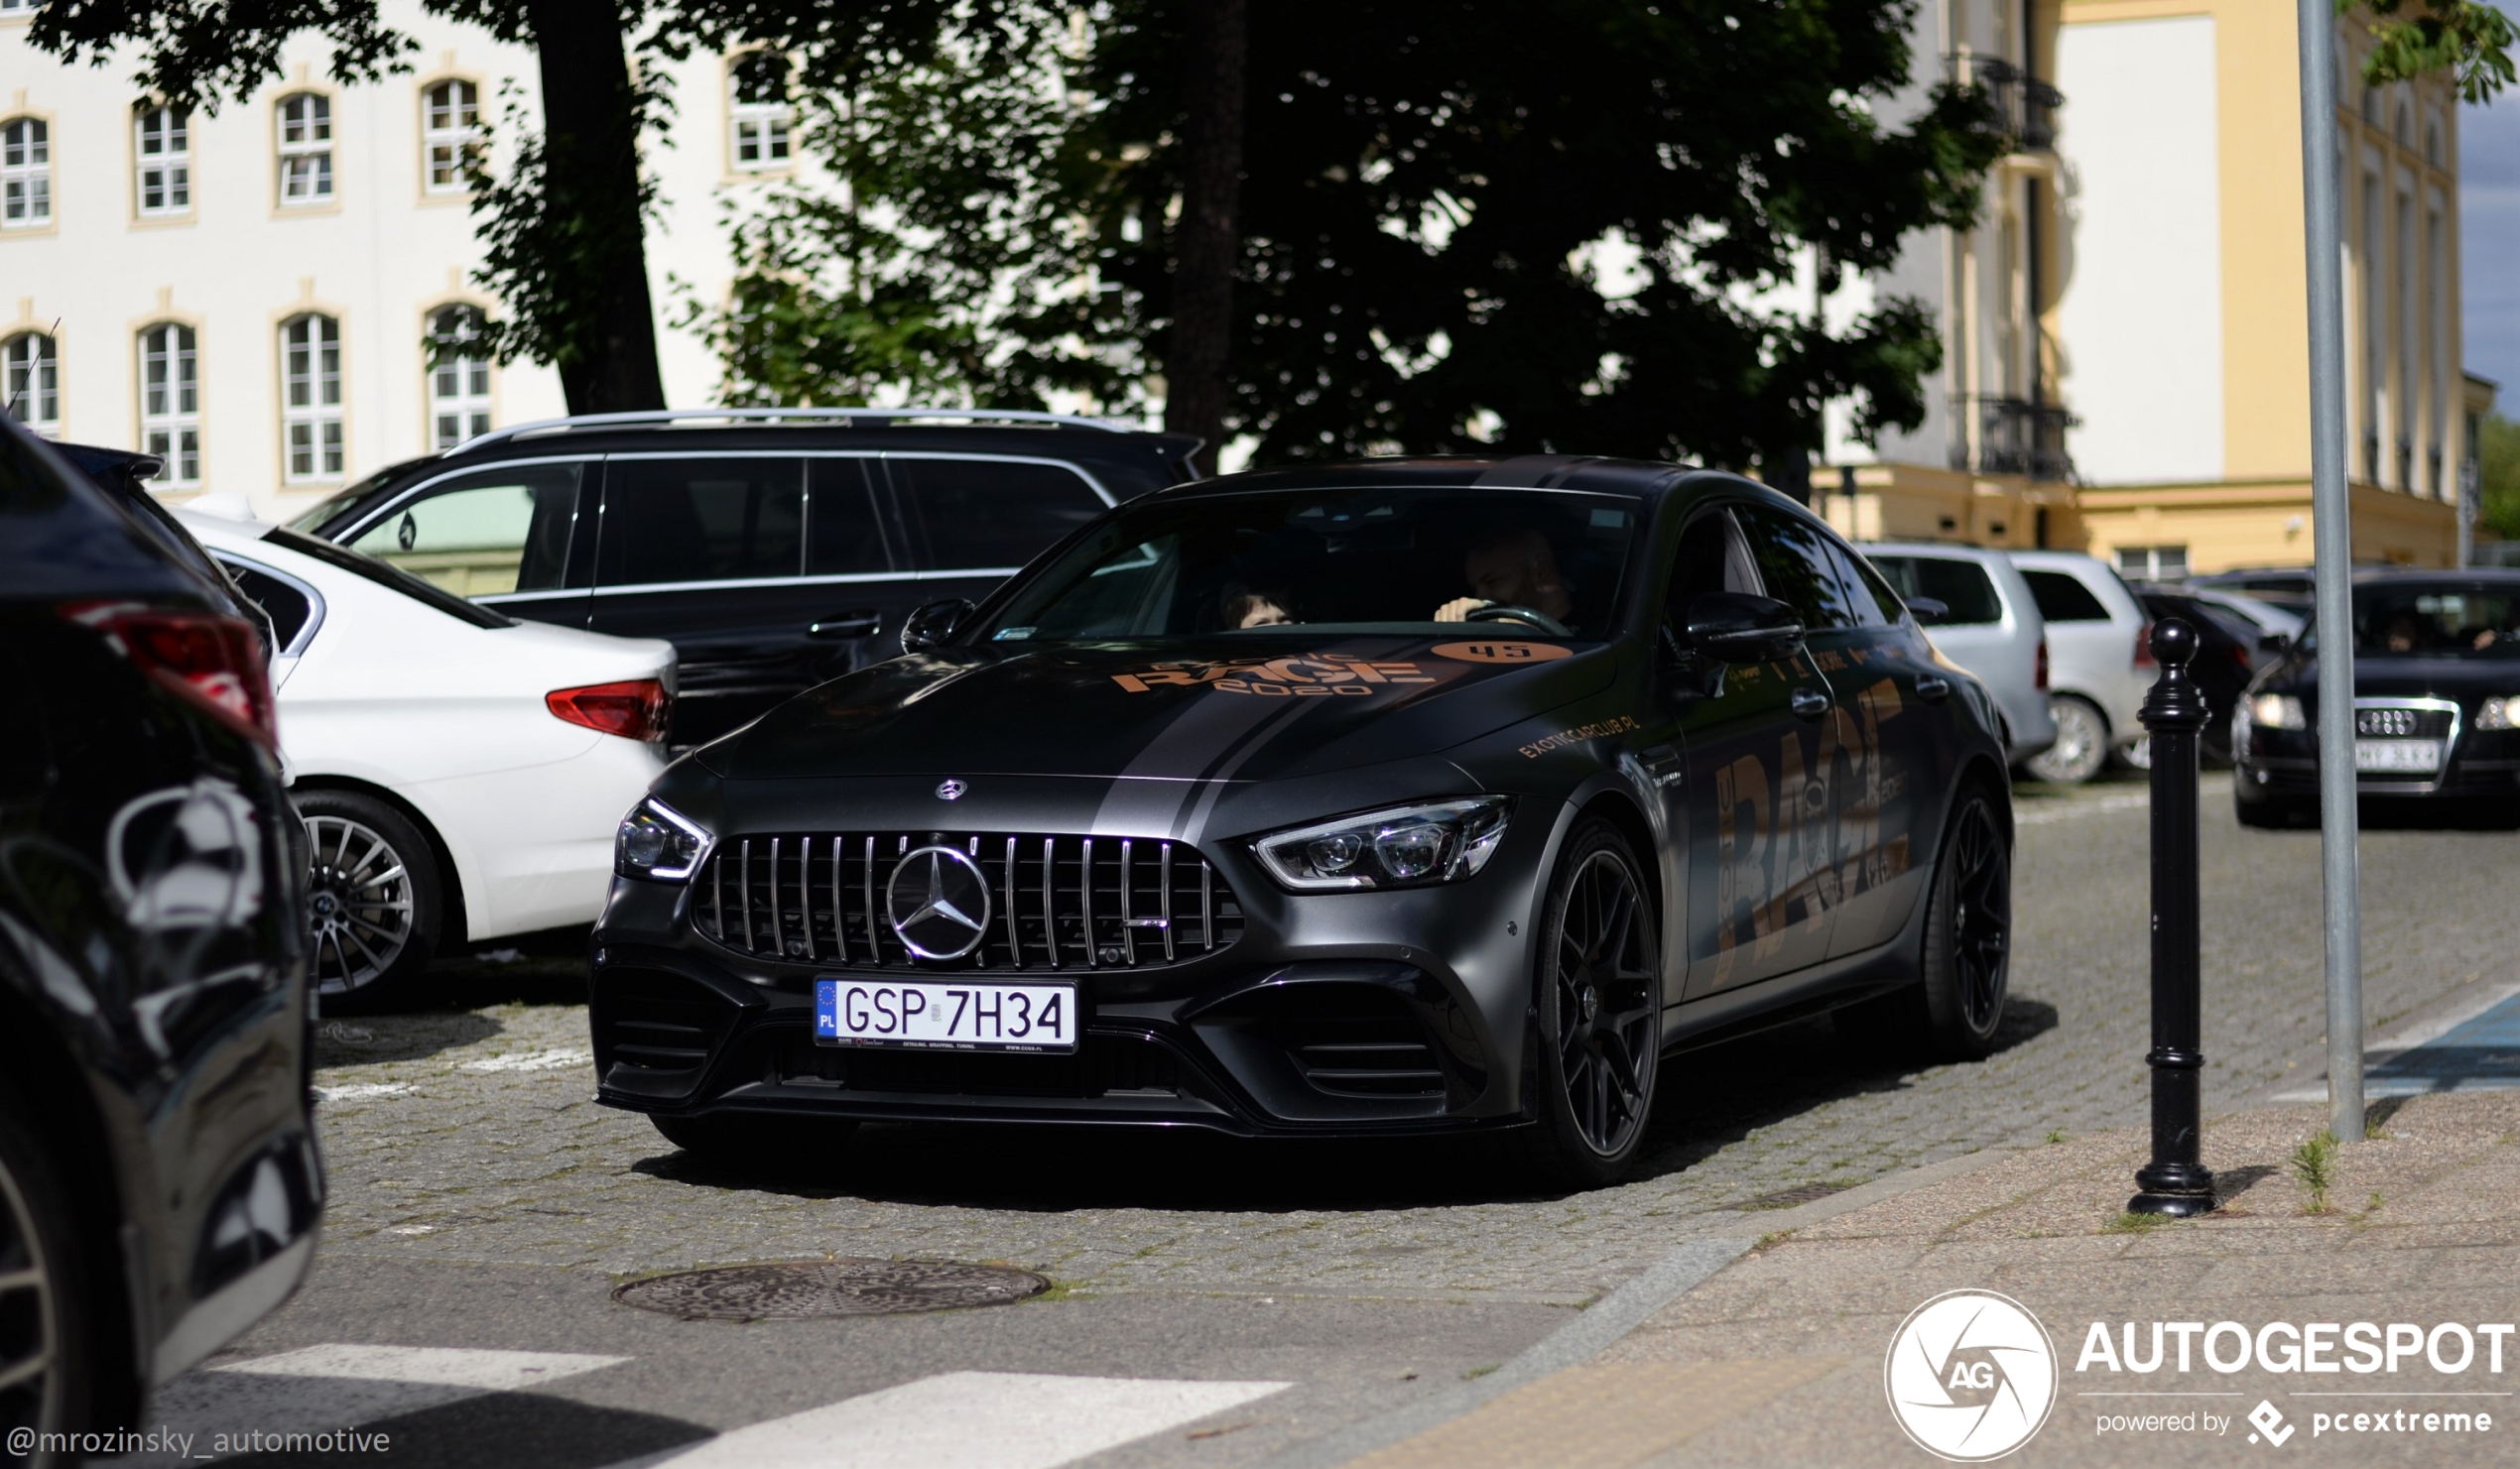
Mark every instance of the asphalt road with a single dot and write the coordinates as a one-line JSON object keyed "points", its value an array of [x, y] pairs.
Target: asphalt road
{"points": [[482, 1202]]}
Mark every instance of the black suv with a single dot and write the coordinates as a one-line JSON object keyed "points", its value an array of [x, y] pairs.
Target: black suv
{"points": [[159, 1184], [776, 547]]}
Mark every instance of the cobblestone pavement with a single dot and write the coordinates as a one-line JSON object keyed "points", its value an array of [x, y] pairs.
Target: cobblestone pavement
{"points": [[466, 1134]]}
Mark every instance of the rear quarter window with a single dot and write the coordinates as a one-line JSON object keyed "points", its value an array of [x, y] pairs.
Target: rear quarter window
{"points": [[980, 514], [1962, 586], [2062, 597]]}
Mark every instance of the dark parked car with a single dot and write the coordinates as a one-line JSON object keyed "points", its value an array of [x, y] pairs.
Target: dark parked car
{"points": [[2292, 588], [776, 548], [159, 1185], [2228, 648], [1410, 795], [2436, 702]]}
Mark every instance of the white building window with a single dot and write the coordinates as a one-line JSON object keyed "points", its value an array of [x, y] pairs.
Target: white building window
{"points": [[450, 129], [2153, 562], [311, 396], [31, 382], [18, 7], [763, 115], [25, 174], [170, 401], [458, 376], [165, 161], [306, 149]]}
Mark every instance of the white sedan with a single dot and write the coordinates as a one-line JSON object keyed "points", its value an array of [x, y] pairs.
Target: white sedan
{"points": [[460, 775]]}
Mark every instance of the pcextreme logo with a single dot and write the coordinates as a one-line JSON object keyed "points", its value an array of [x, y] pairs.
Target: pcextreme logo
{"points": [[1971, 1376]]}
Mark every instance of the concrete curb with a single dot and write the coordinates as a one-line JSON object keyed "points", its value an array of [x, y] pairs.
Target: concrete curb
{"points": [[1615, 1315]]}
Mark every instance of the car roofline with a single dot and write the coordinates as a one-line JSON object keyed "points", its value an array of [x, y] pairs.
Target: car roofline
{"points": [[879, 418]]}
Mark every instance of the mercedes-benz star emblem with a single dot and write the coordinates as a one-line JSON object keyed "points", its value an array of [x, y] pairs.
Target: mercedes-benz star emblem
{"points": [[950, 789], [939, 902]]}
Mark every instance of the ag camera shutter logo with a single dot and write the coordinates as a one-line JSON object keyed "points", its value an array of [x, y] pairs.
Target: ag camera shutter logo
{"points": [[1971, 1376]]}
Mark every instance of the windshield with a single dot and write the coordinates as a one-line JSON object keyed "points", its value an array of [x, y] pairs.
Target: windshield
{"points": [[325, 509], [1293, 564], [2434, 620]]}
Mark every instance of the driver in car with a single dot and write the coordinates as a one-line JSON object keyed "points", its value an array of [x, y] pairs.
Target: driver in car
{"points": [[1511, 569]]}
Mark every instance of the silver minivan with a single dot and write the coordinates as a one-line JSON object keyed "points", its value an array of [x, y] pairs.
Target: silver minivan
{"points": [[2099, 666], [1979, 612]]}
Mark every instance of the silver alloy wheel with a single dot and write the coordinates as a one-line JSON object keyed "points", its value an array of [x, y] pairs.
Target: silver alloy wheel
{"points": [[2081, 746], [359, 907], [29, 1323]]}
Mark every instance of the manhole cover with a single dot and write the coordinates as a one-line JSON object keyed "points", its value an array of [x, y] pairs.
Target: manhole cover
{"points": [[829, 1287]]}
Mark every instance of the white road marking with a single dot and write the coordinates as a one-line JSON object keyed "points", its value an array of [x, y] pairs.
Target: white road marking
{"points": [[365, 1089], [971, 1421], [445, 1367], [533, 1060], [2042, 815], [333, 1387]]}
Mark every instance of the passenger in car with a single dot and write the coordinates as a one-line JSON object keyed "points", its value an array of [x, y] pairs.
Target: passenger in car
{"points": [[1511, 569], [1257, 607]]}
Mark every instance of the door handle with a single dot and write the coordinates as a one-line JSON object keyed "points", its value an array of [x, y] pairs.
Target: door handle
{"points": [[861, 622], [1933, 688], [1809, 703]]}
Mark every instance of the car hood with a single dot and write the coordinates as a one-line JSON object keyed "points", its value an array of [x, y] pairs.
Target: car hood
{"points": [[1224, 710], [2461, 679]]}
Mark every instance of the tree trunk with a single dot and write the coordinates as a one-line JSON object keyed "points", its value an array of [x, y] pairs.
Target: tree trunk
{"points": [[1206, 242], [590, 141]]}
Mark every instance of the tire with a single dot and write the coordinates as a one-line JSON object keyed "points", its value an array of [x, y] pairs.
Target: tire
{"points": [[46, 1315], [2081, 747], [1598, 986], [375, 908], [1964, 955], [756, 1140]]}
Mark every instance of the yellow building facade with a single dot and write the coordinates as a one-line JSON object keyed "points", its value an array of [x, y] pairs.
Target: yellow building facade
{"points": [[2148, 398]]}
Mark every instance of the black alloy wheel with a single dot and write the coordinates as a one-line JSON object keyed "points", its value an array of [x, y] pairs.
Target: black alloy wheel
{"points": [[1967, 957], [45, 1375], [1600, 995], [373, 910]]}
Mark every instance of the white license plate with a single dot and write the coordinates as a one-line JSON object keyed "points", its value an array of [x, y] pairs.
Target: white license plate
{"points": [[929, 1015], [2398, 757]]}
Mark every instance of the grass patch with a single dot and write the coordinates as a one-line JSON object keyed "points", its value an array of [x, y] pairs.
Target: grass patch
{"points": [[2315, 1166], [2127, 1221]]}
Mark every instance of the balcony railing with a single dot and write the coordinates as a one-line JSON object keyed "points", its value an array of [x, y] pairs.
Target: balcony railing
{"points": [[2025, 105], [2014, 437]]}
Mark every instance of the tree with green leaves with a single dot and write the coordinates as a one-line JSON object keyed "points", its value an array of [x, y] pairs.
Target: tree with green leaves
{"points": [[564, 230], [1454, 225]]}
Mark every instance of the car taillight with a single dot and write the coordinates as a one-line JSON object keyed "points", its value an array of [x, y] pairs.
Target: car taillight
{"points": [[211, 658], [2043, 663], [635, 709], [2144, 645]]}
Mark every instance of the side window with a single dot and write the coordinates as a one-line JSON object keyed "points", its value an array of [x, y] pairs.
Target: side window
{"points": [[840, 522], [1711, 557], [701, 520], [290, 608], [495, 531], [1794, 563], [1962, 586], [2062, 597], [985, 514], [1875, 604]]}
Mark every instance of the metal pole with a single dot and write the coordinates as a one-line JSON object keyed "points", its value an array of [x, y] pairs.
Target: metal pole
{"points": [[2332, 531], [2176, 1183]]}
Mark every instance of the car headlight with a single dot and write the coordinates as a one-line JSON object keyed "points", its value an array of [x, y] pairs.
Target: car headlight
{"points": [[658, 842], [2499, 713], [1407, 846], [2277, 711]]}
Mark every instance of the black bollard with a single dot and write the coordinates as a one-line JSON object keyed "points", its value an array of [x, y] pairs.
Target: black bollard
{"points": [[2176, 1183]]}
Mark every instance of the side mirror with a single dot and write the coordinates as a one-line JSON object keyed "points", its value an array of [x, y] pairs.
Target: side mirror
{"points": [[1737, 628], [2273, 643], [1927, 611], [930, 624]]}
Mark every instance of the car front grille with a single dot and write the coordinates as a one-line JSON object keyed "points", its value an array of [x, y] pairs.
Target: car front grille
{"points": [[2391, 723], [1054, 901]]}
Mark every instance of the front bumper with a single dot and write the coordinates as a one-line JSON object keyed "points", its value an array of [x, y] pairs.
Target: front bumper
{"points": [[2283, 766], [1340, 1012]]}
